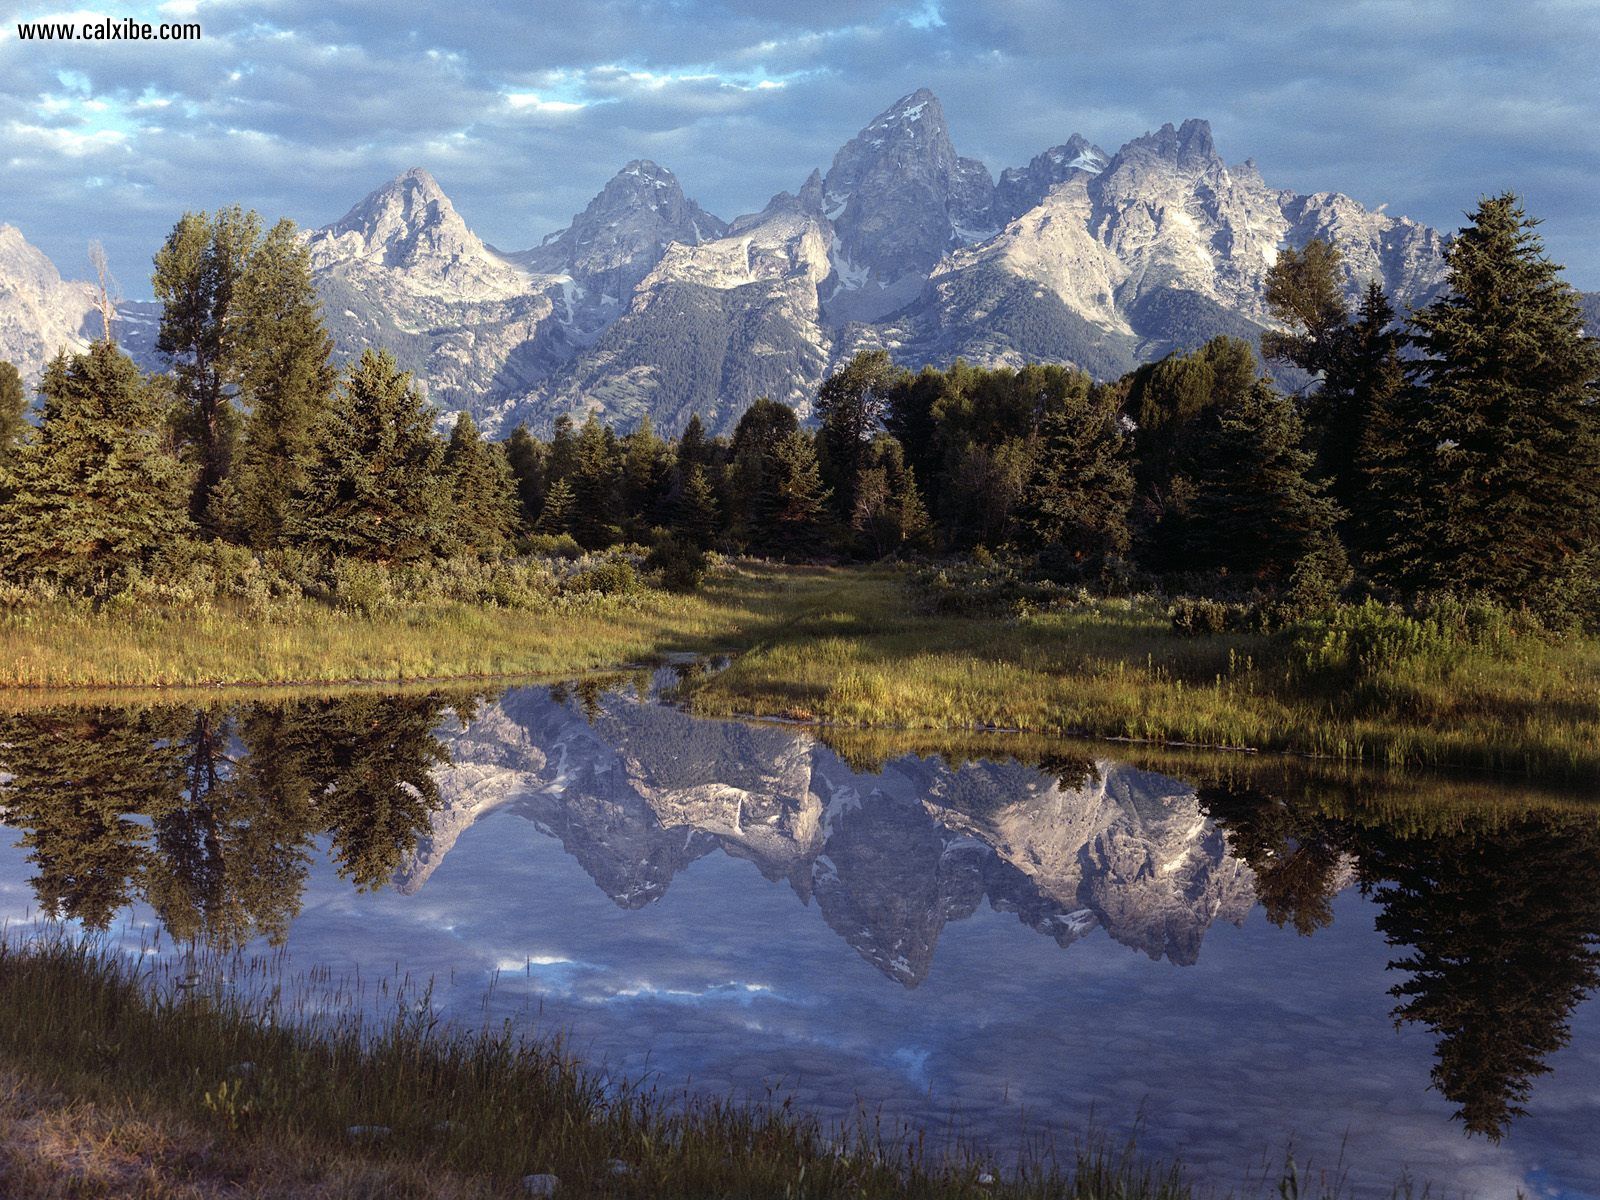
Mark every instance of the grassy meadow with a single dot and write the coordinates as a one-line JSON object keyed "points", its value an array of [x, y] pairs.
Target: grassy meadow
{"points": [[858, 647]]}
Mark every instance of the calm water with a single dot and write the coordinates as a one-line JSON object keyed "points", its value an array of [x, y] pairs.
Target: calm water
{"points": [[1240, 955]]}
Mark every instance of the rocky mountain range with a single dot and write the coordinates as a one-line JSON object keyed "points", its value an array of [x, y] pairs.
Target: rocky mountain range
{"points": [[648, 305], [637, 792]]}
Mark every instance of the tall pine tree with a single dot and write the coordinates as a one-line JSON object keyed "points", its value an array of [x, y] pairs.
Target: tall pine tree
{"points": [[282, 356], [376, 489], [95, 491], [1504, 435], [197, 272], [1075, 509], [484, 512]]}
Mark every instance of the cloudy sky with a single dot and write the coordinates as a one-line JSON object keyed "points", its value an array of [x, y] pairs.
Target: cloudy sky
{"points": [[523, 108]]}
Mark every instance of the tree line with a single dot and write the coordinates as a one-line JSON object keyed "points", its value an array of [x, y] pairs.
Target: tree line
{"points": [[1450, 451]]}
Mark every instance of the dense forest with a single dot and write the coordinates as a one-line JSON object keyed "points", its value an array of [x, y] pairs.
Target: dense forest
{"points": [[1452, 451]]}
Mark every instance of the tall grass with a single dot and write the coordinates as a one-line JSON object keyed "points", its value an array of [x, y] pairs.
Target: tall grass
{"points": [[1364, 685], [484, 1104]]}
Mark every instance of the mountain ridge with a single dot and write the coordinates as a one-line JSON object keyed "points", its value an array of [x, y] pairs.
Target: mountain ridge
{"points": [[645, 304]]}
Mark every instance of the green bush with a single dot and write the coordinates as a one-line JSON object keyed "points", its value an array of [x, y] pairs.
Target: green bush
{"points": [[361, 587], [1197, 616], [610, 577], [682, 565]]}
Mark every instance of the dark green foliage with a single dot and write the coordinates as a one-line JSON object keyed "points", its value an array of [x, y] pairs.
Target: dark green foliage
{"points": [[95, 492], [197, 271], [1355, 413], [1303, 292], [682, 563], [1075, 508], [647, 475], [764, 424], [528, 460], [1174, 405], [1256, 513], [851, 403], [484, 510], [282, 355], [1501, 436], [556, 515], [597, 487], [889, 515], [376, 490], [13, 410], [695, 515], [788, 512]]}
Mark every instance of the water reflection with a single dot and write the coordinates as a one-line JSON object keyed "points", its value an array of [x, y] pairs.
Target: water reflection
{"points": [[214, 815]]}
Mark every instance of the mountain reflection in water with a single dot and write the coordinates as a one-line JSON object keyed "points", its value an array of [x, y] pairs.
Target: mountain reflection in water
{"points": [[215, 817]]}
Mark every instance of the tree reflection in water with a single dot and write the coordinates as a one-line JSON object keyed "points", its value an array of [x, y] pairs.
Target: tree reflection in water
{"points": [[1496, 913], [211, 816]]}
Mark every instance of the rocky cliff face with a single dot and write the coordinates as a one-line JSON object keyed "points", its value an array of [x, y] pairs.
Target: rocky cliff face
{"points": [[641, 791], [40, 313], [648, 305]]}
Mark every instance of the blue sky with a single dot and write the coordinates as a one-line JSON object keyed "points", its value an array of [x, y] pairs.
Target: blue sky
{"points": [[523, 108]]}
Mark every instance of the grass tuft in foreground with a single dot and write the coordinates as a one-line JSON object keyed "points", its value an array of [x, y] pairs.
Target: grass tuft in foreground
{"points": [[135, 1089]]}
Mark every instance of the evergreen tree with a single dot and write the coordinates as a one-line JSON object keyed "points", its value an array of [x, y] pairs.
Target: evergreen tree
{"points": [[850, 405], [1505, 435], [695, 514], [788, 512], [763, 425], [526, 456], [375, 489], [596, 480], [1075, 509], [647, 470], [483, 498], [1303, 292], [912, 419], [1366, 441], [555, 518], [889, 514], [95, 491], [13, 415], [694, 448], [197, 272], [1257, 513], [282, 356], [1174, 405]]}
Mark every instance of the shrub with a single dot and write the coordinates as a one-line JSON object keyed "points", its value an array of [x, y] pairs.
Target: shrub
{"points": [[682, 564], [611, 577], [361, 587], [1197, 616]]}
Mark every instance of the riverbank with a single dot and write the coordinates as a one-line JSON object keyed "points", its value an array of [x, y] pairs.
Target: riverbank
{"points": [[116, 1085], [852, 647]]}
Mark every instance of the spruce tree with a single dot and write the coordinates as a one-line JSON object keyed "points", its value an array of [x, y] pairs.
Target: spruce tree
{"points": [[95, 491], [375, 489], [647, 468], [851, 404], [526, 456], [197, 272], [282, 355], [694, 448], [555, 518], [759, 431], [596, 482], [695, 516], [789, 511], [1505, 433], [484, 512], [1075, 509], [889, 514], [13, 415], [1367, 442], [1257, 513]]}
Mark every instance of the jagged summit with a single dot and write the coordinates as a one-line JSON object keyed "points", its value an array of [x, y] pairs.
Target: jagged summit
{"points": [[1190, 144], [624, 231], [1022, 188]]}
